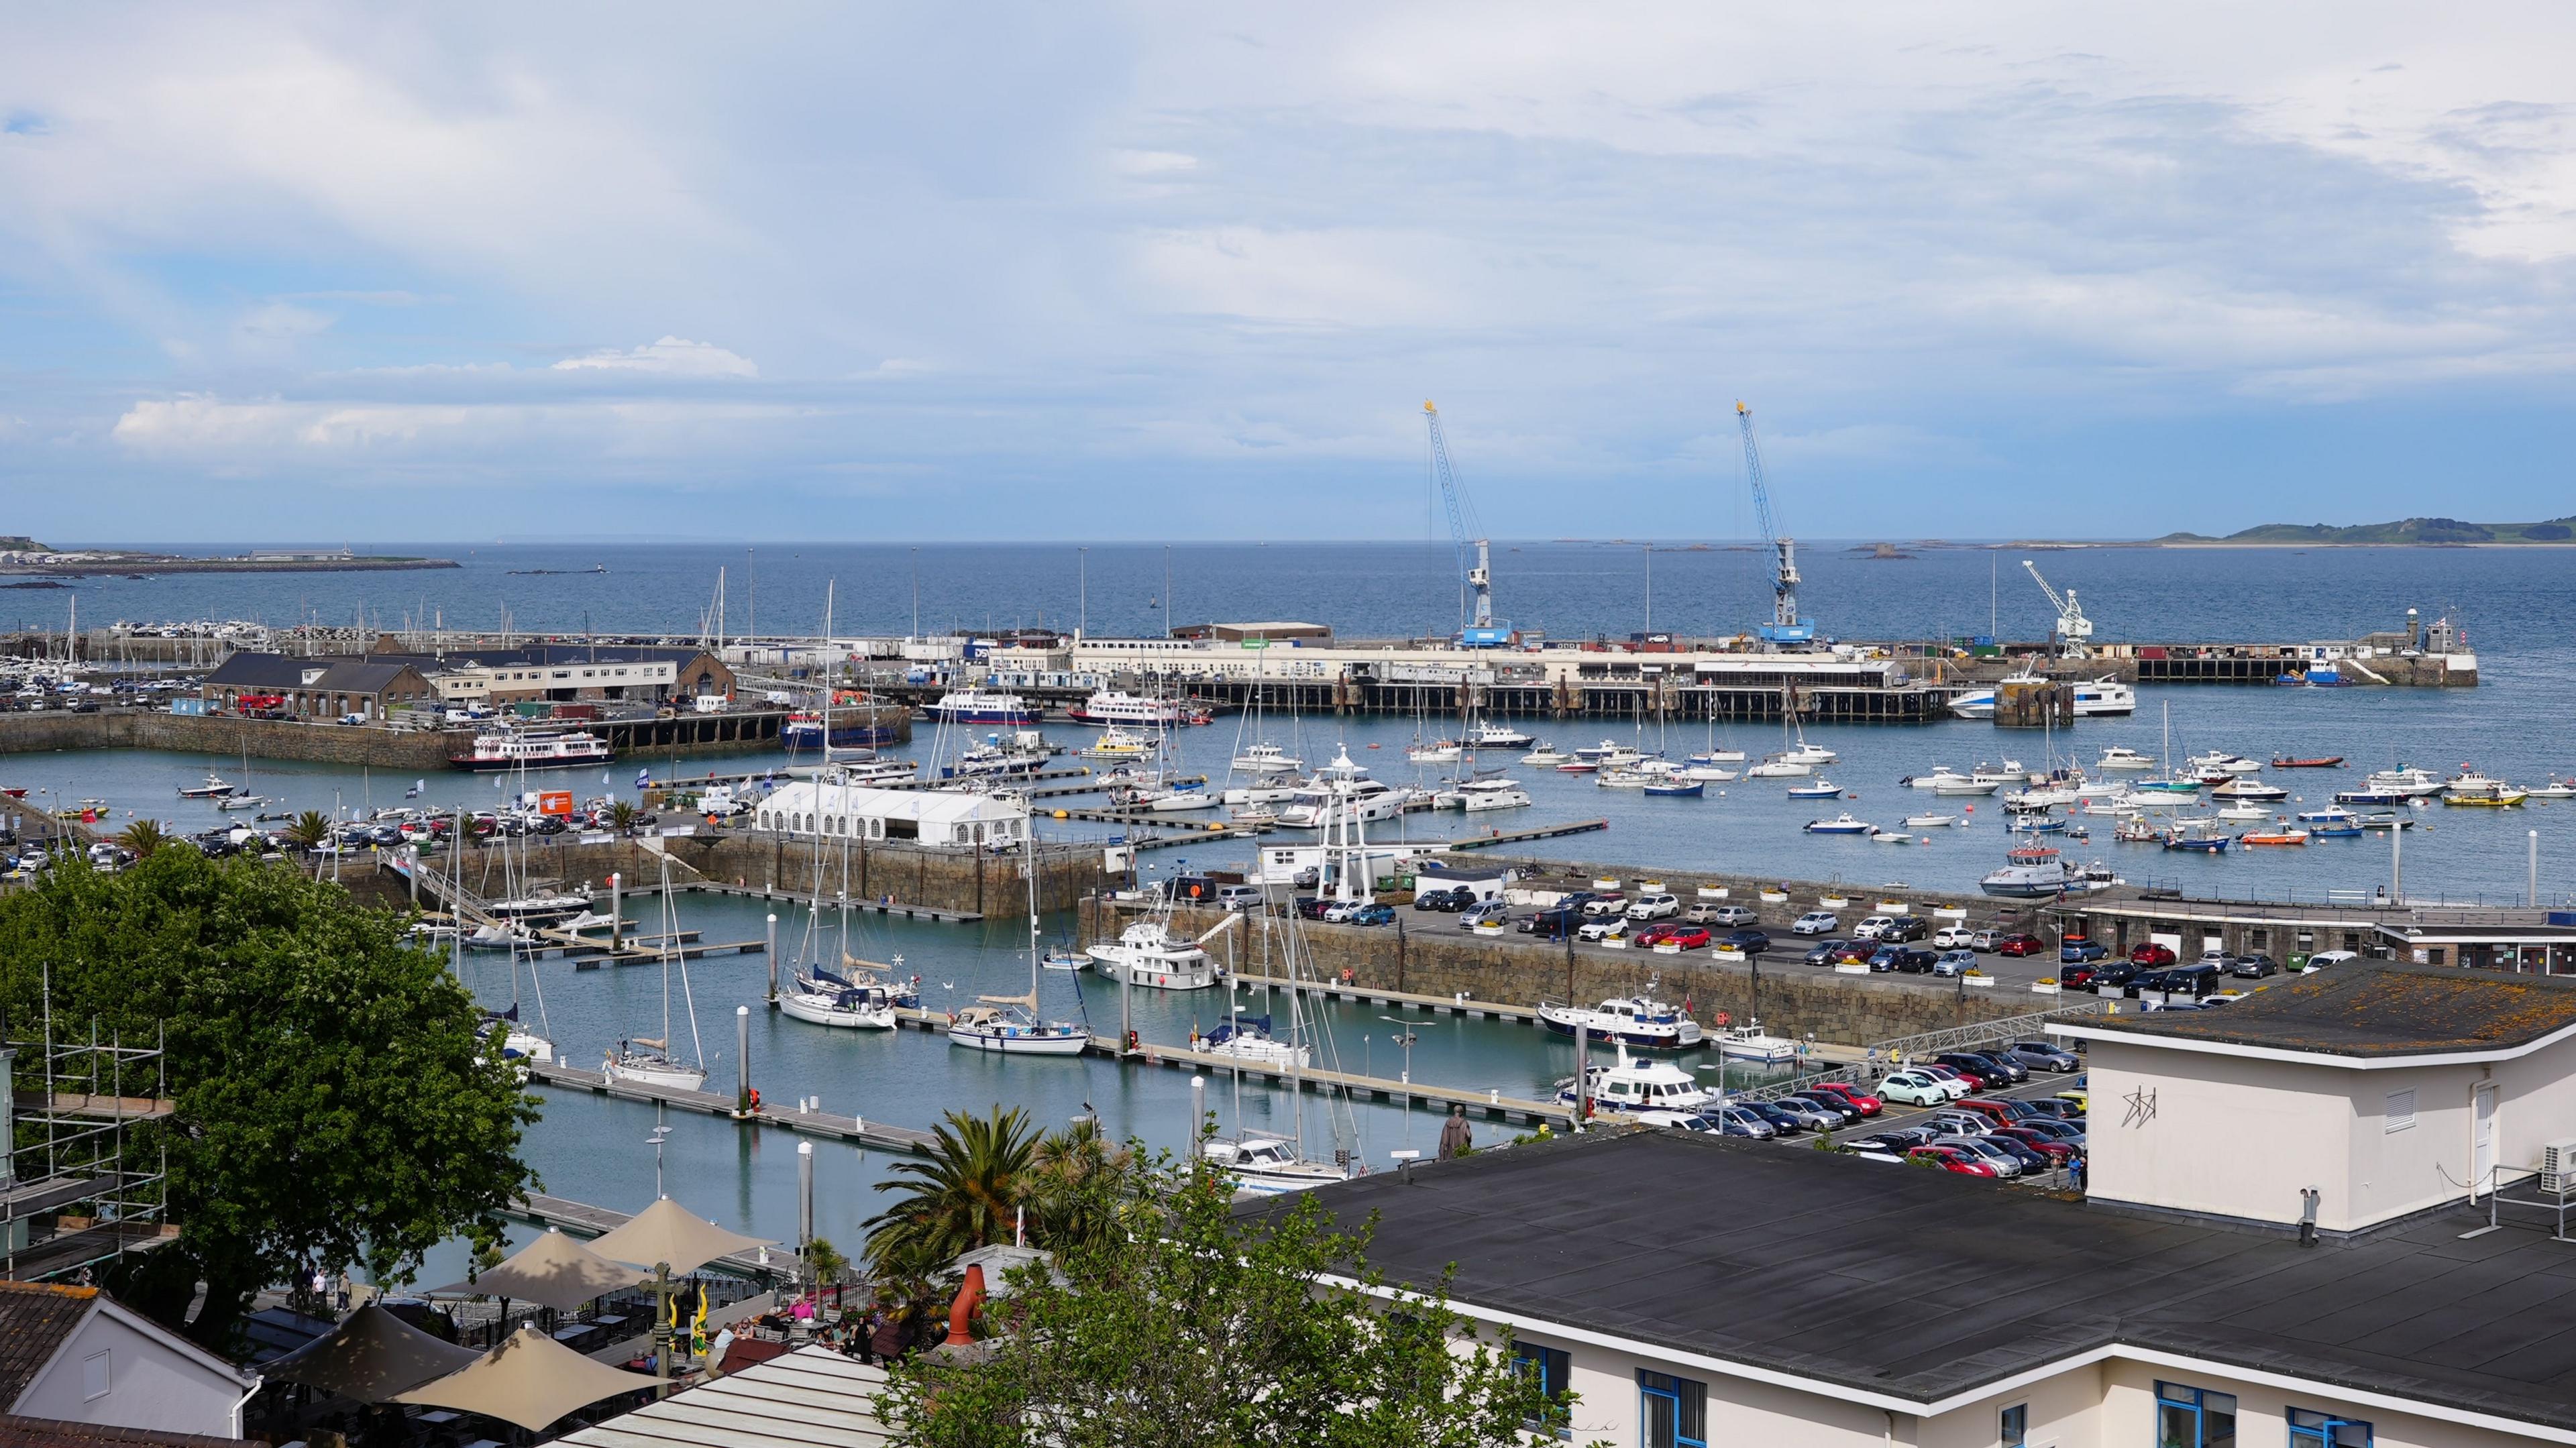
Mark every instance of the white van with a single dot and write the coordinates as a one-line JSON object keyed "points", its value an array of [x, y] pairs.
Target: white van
{"points": [[1238, 897], [2324, 958]]}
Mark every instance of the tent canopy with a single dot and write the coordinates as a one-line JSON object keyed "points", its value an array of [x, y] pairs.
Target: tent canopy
{"points": [[530, 1380], [666, 1232], [371, 1357], [552, 1271]]}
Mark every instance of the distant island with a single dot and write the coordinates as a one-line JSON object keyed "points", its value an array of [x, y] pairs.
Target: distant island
{"points": [[21, 555], [2403, 532]]}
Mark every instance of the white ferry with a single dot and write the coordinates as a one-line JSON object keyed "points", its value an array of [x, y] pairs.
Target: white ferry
{"points": [[975, 706], [533, 749], [1114, 706]]}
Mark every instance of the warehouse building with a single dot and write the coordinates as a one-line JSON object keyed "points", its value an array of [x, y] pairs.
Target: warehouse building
{"points": [[953, 818]]}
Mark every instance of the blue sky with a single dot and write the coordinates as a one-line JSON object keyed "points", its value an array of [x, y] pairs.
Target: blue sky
{"points": [[306, 272]]}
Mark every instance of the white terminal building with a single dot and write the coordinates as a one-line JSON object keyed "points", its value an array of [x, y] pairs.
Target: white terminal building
{"points": [[811, 808]]}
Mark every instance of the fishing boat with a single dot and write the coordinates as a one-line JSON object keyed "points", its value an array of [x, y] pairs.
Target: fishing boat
{"points": [[1641, 1021], [1930, 821], [1749, 1042], [1267, 759], [501, 749], [1490, 735], [2200, 836], [2121, 758], [1676, 788], [1821, 789], [214, 787], [2035, 824], [1064, 960], [1628, 1086], [2318, 761], [2037, 872], [1842, 824]]}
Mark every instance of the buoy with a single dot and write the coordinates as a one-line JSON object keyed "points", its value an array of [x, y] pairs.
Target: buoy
{"points": [[1060, 814]]}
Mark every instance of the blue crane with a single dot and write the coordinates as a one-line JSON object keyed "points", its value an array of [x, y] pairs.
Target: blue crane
{"points": [[1785, 626], [1476, 580]]}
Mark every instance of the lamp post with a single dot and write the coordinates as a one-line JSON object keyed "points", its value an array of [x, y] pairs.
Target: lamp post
{"points": [[1405, 1038], [660, 1135]]}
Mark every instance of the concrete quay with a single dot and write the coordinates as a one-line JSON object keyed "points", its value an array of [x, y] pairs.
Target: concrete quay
{"points": [[637, 742]]}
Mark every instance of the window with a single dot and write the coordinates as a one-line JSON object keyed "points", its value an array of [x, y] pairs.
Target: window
{"points": [[1554, 1369], [94, 1377], [1674, 1411], [2194, 1417], [2013, 1425], [2311, 1429], [2401, 1111]]}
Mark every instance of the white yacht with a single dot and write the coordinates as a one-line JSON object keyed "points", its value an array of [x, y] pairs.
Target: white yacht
{"points": [[1340, 791], [1174, 798], [1247, 1039], [1707, 771], [1010, 1025], [1490, 735], [822, 998], [1749, 1042], [2249, 788], [1777, 766], [1639, 1020], [1269, 1166], [1483, 794], [2120, 757], [1547, 755], [1148, 954], [1608, 753], [2009, 772], [2218, 762], [1638, 1086], [1438, 751], [1267, 759]]}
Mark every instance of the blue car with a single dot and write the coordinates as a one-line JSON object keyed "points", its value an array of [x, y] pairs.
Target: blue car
{"points": [[2080, 952], [1373, 915]]}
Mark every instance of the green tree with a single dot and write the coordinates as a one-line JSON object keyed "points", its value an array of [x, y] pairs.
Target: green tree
{"points": [[308, 830], [827, 1264], [966, 1195], [334, 1102], [622, 815], [1203, 1326], [143, 837]]}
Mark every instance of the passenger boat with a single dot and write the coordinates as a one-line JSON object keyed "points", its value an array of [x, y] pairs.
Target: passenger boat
{"points": [[2390, 785], [2120, 757], [1639, 1086], [1117, 743], [977, 706], [1116, 706], [1490, 735], [1247, 1039], [1267, 759], [1476, 795], [1640, 1021], [2321, 761], [1148, 954], [1842, 824], [1749, 1042], [1821, 789], [2105, 696], [2472, 788], [533, 749], [2247, 787]]}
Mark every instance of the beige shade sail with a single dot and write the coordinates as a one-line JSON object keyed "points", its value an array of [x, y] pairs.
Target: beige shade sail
{"points": [[666, 1232], [552, 1271], [530, 1380], [370, 1357]]}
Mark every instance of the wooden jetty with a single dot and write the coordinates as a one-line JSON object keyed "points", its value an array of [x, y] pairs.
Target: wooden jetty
{"points": [[1392, 999], [1517, 837], [855, 1129], [872, 905]]}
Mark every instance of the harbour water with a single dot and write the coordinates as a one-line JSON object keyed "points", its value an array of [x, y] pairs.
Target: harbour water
{"points": [[595, 1150]]}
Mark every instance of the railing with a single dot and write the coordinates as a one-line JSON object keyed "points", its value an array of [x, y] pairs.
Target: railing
{"points": [[1969, 1037]]}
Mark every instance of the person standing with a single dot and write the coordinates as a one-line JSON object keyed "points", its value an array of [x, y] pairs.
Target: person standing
{"points": [[1456, 1137]]}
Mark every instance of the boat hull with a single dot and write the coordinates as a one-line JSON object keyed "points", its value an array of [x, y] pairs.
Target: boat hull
{"points": [[819, 1011], [1018, 1041]]}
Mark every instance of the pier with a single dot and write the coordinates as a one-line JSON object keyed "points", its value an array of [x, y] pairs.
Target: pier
{"points": [[856, 1130]]}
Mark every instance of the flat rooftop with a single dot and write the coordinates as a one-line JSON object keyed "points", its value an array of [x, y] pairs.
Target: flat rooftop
{"points": [[1923, 1286], [2370, 1009]]}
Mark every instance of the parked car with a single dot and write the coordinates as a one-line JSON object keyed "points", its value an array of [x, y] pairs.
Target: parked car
{"points": [[1782, 1122], [1657, 906], [1954, 963], [1808, 1114], [2151, 955], [2048, 1146], [1456, 897], [2325, 958], [1825, 952], [2080, 951], [2004, 1163], [2254, 967], [1816, 922], [1483, 912], [1736, 915], [1871, 928], [1844, 1112], [1997, 1110], [1954, 937], [1550, 924], [1984, 940], [1976, 1068], [2019, 945], [1918, 1088], [1907, 927], [1688, 937], [1737, 1121], [2031, 1158], [2052, 1108], [1373, 915], [2115, 973], [1605, 907], [2057, 1128], [1951, 1159], [1751, 942], [1966, 1083], [1650, 935], [1598, 930], [2076, 977], [1707, 914], [1868, 1105], [1855, 952], [2044, 1056], [1911, 1134]]}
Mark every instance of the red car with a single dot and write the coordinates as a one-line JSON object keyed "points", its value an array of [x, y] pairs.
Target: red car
{"points": [[1867, 1104], [2076, 977], [1951, 1159], [2151, 954], [1688, 937], [2020, 945], [1999, 1112], [1857, 952], [1657, 934], [2039, 1141]]}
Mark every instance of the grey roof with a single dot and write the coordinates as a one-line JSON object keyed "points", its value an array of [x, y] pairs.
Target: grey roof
{"points": [[1923, 1285], [551, 655], [2370, 1008], [341, 674], [35, 1318], [810, 1396]]}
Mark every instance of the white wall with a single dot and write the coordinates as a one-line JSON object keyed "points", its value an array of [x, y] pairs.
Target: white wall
{"points": [[2128, 1416], [150, 1383]]}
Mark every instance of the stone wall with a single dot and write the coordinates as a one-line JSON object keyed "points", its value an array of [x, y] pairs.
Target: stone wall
{"points": [[1793, 999], [968, 882], [418, 752]]}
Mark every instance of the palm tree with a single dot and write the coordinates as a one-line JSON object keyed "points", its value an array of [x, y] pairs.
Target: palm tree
{"points": [[142, 837], [966, 1195], [308, 830], [827, 1265], [622, 816], [1079, 1183]]}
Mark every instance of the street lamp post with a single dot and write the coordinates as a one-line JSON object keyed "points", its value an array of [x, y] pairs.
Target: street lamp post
{"points": [[1405, 1038]]}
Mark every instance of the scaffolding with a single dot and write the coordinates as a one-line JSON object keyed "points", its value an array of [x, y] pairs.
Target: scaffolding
{"points": [[69, 1198]]}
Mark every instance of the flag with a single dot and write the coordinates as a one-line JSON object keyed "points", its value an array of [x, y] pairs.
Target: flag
{"points": [[698, 1329]]}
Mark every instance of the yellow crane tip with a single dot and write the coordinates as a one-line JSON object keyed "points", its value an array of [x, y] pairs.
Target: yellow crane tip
{"points": [[1427, 407], [1740, 407]]}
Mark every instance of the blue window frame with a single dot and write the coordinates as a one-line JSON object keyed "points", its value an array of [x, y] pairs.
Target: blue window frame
{"points": [[2194, 1417], [1555, 1372], [2312, 1429], [1673, 1411]]}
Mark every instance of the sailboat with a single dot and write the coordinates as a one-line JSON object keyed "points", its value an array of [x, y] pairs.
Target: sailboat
{"points": [[518, 1043], [820, 995], [2184, 783], [648, 1061], [1267, 1163], [1009, 1025]]}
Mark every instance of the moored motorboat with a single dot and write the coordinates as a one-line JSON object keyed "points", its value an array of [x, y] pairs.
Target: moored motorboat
{"points": [[1930, 821], [1639, 1086], [1641, 1021], [1842, 824], [1676, 788], [2320, 761], [1821, 789], [2122, 758]]}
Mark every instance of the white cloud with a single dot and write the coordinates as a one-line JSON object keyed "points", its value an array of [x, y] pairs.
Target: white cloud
{"points": [[203, 427], [669, 357]]}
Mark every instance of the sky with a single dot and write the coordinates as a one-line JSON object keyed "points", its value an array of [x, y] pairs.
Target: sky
{"points": [[299, 273]]}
